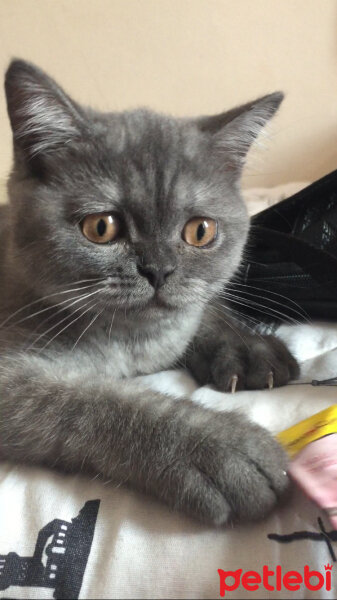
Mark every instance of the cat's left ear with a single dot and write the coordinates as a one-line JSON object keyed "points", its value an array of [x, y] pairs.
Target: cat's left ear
{"points": [[233, 132], [44, 119]]}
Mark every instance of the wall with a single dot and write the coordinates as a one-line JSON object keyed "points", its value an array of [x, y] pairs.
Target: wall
{"points": [[190, 57]]}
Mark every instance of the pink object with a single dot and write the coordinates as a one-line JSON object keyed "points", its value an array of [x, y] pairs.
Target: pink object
{"points": [[315, 470]]}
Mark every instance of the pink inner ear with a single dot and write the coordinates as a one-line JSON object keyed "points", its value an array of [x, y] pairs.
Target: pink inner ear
{"points": [[315, 470]]}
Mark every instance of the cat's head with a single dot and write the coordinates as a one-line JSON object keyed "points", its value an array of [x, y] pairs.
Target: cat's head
{"points": [[146, 203]]}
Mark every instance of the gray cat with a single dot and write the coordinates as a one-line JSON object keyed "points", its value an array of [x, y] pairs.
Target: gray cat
{"points": [[121, 234]]}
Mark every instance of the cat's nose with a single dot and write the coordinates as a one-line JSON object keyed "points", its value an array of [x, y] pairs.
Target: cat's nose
{"points": [[156, 277]]}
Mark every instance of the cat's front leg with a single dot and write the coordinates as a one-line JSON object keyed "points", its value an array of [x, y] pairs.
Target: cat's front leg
{"points": [[236, 360], [212, 466]]}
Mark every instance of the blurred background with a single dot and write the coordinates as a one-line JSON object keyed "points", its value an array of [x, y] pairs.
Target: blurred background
{"points": [[191, 57]]}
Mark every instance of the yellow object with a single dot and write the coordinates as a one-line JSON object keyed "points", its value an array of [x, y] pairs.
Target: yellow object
{"points": [[297, 437]]}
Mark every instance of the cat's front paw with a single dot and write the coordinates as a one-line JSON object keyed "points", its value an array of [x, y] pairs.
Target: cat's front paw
{"points": [[234, 470], [252, 362]]}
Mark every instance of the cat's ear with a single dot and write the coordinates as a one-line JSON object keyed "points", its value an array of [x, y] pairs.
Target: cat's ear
{"points": [[233, 132], [43, 118]]}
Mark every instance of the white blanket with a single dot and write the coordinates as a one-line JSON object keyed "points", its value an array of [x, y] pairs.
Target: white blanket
{"points": [[138, 548]]}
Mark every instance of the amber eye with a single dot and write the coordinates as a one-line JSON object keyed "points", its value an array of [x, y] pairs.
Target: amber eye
{"points": [[200, 231], [100, 228]]}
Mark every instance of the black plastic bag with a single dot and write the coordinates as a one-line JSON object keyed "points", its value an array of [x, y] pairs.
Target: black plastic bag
{"points": [[290, 270]]}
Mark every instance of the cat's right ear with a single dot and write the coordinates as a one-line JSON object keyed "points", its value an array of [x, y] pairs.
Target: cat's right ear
{"points": [[43, 118]]}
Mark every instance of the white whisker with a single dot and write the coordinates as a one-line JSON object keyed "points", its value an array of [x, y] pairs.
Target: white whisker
{"points": [[69, 324], [300, 312], [111, 324], [62, 320], [55, 305], [86, 329], [262, 308], [75, 299], [67, 291]]}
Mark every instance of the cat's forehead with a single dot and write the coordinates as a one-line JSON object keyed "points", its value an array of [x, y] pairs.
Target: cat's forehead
{"points": [[150, 160], [149, 140], [142, 129]]}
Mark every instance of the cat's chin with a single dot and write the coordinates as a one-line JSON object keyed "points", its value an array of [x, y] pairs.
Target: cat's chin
{"points": [[154, 307], [157, 305], [158, 301]]}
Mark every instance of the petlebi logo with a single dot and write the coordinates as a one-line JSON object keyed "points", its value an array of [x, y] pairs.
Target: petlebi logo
{"points": [[275, 580]]}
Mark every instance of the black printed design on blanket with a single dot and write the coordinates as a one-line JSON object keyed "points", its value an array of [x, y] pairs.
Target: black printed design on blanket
{"points": [[324, 536], [67, 554]]}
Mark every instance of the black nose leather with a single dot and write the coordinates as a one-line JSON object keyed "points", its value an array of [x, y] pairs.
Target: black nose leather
{"points": [[156, 277]]}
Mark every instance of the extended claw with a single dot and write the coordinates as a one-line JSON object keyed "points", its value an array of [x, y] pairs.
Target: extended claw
{"points": [[233, 383], [270, 380]]}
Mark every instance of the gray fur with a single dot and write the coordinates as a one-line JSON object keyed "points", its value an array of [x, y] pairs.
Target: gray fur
{"points": [[78, 320]]}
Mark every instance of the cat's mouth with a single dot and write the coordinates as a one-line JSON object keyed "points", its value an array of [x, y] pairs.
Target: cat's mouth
{"points": [[160, 301], [147, 302], [157, 301]]}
